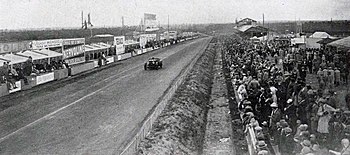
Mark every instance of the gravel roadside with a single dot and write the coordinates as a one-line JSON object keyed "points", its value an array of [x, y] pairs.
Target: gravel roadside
{"points": [[180, 129], [218, 136]]}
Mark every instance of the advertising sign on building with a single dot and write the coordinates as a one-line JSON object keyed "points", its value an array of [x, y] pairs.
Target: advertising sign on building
{"points": [[74, 55], [150, 22], [42, 44], [143, 40], [119, 40], [72, 52], [119, 44], [151, 37], [14, 46]]}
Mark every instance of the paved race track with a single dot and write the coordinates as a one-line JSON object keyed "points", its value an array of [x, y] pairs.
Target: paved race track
{"points": [[92, 114]]}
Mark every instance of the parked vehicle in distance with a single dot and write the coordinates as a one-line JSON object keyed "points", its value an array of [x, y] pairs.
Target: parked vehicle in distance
{"points": [[153, 63]]}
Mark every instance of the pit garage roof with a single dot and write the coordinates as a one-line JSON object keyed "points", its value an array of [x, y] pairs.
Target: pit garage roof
{"points": [[98, 46], [320, 35], [341, 43], [35, 56], [13, 59], [49, 53]]}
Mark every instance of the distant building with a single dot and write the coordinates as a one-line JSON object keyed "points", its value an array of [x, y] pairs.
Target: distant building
{"points": [[251, 30], [247, 21]]}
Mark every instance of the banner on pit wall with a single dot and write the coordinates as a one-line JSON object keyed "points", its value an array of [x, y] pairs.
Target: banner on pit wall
{"points": [[14, 46], [72, 61], [119, 42], [73, 41]]}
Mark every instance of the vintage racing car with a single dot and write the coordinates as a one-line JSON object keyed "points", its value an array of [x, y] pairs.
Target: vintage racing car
{"points": [[153, 63]]}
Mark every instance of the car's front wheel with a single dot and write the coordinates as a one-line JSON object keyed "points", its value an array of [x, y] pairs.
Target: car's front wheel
{"points": [[145, 66]]}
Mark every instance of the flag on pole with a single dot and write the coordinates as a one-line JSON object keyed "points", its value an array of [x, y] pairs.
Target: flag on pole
{"points": [[89, 20]]}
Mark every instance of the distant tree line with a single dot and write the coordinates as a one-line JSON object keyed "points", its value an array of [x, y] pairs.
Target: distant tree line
{"points": [[336, 28]]}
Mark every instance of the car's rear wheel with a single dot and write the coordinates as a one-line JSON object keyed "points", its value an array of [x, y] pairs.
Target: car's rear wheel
{"points": [[145, 66]]}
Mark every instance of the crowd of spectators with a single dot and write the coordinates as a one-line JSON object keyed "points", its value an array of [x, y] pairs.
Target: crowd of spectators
{"points": [[287, 114], [9, 75]]}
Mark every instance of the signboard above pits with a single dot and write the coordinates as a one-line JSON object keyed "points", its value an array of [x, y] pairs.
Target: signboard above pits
{"points": [[42, 44], [73, 41], [14, 46], [74, 55], [73, 52]]}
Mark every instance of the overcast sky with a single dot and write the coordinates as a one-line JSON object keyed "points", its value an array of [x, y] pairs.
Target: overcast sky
{"points": [[19, 14]]}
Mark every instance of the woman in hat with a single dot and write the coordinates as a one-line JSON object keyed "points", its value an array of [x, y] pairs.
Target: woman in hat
{"points": [[324, 113]]}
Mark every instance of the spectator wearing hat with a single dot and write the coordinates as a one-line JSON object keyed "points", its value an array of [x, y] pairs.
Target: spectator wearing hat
{"points": [[282, 133], [241, 91], [313, 139], [263, 152], [336, 128], [247, 117], [306, 147], [258, 130], [290, 112], [244, 105], [325, 77], [264, 108], [337, 76], [275, 116], [298, 137], [4, 72], [261, 145], [319, 75], [316, 149], [332, 101]]}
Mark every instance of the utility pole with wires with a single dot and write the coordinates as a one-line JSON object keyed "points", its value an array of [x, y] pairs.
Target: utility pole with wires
{"points": [[168, 35]]}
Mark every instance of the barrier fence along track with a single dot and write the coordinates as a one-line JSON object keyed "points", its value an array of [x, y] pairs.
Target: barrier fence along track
{"points": [[132, 146]]}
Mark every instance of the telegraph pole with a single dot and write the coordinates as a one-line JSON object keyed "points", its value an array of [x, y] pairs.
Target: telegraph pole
{"points": [[168, 28]]}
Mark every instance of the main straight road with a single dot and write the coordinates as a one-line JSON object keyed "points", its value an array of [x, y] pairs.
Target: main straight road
{"points": [[92, 114]]}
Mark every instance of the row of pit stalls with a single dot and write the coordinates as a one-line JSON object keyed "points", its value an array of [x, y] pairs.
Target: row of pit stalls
{"points": [[79, 55]]}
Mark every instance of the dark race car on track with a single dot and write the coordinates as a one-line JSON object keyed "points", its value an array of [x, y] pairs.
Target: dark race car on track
{"points": [[153, 63]]}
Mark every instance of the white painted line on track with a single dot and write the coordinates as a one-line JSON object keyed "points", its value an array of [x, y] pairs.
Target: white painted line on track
{"points": [[60, 109]]}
